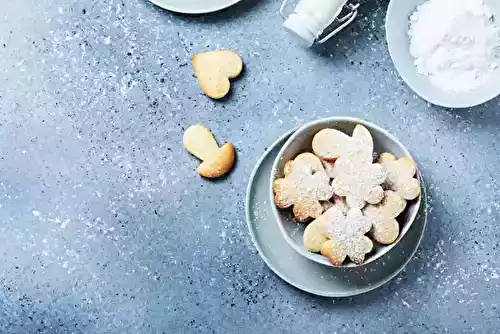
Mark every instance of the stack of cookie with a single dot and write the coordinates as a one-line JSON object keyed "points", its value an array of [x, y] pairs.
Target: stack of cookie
{"points": [[353, 200]]}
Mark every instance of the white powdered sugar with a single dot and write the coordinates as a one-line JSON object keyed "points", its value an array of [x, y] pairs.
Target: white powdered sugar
{"points": [[456, 43]]}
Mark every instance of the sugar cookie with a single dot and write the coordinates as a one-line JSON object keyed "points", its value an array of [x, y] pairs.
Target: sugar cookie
{"points": [[305, 184], [315, 233], [356, 177], [217, 161], [332, 144], [347, 236], [385, 227], [214, 69], [400, 175]]}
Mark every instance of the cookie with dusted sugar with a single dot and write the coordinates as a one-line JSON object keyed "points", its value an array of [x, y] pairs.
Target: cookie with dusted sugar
{"points": [[356, 177], [346, 234], [385, 227], [401, 175], [332, 144], [315, 234], [304, 185]]}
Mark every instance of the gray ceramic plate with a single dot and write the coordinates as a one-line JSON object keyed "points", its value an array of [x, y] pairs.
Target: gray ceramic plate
{"points": [[194, 6], [308, 275], [397, 26]]}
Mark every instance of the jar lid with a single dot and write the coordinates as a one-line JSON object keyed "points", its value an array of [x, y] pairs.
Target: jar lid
{"points": [[312, 17]]}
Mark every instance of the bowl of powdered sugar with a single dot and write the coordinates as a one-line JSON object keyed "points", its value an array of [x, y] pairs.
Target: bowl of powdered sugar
{"points": [[447, 51]]}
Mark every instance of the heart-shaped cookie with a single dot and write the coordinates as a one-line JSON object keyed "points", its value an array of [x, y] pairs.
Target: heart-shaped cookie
{"points": [[214, 69]]}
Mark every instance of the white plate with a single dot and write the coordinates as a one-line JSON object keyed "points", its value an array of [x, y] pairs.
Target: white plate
{"points": [[194, 6], [397, 26]]}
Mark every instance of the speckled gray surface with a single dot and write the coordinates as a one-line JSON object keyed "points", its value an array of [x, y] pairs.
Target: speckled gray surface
{"points": [[105, 226]]}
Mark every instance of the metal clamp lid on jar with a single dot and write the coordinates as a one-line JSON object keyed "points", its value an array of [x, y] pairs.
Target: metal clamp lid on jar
{"points": [[336, 24]]}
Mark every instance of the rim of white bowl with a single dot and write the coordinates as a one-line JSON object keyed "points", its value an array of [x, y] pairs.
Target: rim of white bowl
{"points": [[397, 64]]}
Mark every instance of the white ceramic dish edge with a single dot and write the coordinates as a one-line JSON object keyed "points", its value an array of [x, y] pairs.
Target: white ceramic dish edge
{"points": [[167, 4]]}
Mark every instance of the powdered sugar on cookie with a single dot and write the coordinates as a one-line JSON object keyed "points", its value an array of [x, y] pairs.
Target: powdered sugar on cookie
{"points": [[347, 236], [357, 178], [305, 184]]}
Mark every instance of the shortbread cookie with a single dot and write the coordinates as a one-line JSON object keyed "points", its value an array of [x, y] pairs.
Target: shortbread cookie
{"points": [[332, 144], [400, 175], [385, 227], [304, 160], [347, 236], [360, 184], [217, 161], [356, 177], [214, 69], [305, 184], [315, 233]]}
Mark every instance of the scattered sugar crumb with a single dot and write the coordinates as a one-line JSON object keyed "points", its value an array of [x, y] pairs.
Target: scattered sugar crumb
{"points": [[405, 303]]}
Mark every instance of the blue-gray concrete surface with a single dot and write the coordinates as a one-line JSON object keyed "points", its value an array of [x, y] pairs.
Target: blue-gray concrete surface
{"points": [[106, 228]]}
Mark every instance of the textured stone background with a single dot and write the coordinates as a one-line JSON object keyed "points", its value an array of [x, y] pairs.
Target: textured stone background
{"points": [[105, 226]]}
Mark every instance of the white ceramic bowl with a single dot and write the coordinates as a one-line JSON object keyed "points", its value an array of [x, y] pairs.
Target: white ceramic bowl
{"points": [[300, 142], [397, 25]]}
